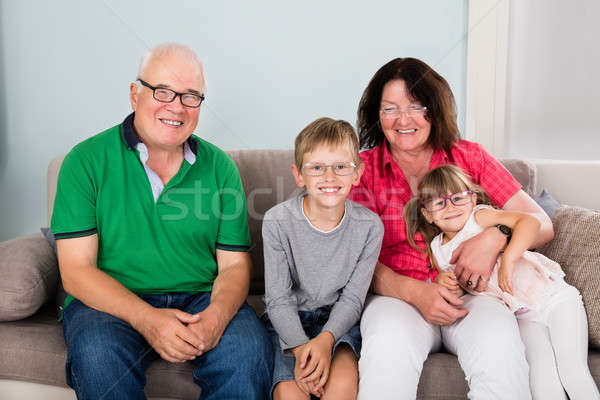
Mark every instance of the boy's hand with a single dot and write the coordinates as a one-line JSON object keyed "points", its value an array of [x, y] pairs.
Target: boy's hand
{"points": [[299, 371], [315, 360], [448, 280], [505, 274]]}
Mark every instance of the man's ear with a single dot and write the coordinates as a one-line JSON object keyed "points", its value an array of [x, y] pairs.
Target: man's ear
{"points": [[133, 94], [297, 176]]}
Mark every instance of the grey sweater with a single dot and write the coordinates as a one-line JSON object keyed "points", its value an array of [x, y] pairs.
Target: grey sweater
{"points": [[306, 268]]}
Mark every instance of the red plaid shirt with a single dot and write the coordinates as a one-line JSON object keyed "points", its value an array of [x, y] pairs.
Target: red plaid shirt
{"points": [[384, 190]]}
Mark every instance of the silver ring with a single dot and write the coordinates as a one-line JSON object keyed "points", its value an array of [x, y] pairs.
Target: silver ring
{"points": [[469, 283]]}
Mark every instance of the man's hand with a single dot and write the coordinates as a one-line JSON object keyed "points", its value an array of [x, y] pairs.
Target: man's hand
{"points": [[209, 328], [166, 331], [475, 258], [436, 304]]}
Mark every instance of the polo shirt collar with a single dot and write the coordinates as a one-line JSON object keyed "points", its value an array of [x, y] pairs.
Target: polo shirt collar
{"points": [[131, 138]]}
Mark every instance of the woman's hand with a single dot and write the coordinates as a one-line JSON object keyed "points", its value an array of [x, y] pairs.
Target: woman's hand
{"points": [[505, 274], [475, 258], [437, 304]]}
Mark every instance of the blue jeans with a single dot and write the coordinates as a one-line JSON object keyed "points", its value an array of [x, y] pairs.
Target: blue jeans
{"points": [[107, 358], [312, 323]]}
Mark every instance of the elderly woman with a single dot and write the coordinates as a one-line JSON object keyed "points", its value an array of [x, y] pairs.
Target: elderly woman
{"points": [[407, 124]]}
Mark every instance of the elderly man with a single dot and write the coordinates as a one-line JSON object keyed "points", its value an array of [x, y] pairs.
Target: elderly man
{"points": [[152, 238]]}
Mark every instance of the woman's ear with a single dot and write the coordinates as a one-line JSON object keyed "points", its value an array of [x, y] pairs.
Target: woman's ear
{"points": [[474, 199], [297, 176]]}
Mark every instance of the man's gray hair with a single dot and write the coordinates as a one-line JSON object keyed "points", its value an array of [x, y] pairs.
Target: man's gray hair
{"points": [[176, 49]]}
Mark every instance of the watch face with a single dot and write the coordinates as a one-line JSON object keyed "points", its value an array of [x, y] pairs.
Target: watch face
{"points": [[505, 229]]}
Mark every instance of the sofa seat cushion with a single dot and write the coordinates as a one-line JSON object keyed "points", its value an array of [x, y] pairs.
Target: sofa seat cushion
{"points": [[576, 247], [33, 350], [29, 276]]}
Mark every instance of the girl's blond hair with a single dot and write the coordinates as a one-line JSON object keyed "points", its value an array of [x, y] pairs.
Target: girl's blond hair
{"points": [[436, 183]]}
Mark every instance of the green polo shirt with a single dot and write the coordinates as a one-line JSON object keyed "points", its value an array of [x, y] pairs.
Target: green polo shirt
{"points": [[151, 247]]}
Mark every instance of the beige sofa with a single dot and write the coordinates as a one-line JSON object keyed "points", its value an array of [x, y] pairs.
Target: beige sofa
{"points": [[32, 350]]}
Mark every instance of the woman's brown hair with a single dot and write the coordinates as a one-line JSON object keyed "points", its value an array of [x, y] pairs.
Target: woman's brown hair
{"points": [[424, 86]]}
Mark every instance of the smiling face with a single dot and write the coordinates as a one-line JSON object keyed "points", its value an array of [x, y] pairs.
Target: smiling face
{"points": [[166, 125], [451, 219], [403, 133], [327, 192]]}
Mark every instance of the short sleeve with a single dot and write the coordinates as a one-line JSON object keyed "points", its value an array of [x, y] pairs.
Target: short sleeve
{"points": [[74, 213], [497, 182], [233, 234]]}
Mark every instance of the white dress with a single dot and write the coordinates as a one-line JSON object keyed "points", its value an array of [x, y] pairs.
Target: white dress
{"points": [[536, 278]]}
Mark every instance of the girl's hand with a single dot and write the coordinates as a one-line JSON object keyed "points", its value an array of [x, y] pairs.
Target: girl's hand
{"points": [[448, 280], [505, 274]]}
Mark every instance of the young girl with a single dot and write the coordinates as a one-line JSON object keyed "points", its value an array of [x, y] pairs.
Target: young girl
{"points": [[451, 209]]}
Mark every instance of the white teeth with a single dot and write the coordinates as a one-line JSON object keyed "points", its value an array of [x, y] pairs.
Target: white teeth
{"points": [[169, 122], [407, 131], [329, 190]]}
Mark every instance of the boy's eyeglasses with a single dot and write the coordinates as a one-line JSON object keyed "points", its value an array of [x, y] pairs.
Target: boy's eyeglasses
{"points": [[439, 203], [338, 168]]}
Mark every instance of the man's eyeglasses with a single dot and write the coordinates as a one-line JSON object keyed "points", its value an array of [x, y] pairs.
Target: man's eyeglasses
{"points": [[439, 203], [394, 112], [338, 168], [165, 95]]}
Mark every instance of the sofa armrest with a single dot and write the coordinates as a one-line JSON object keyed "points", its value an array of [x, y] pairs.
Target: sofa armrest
{"points": [[28, 276]]}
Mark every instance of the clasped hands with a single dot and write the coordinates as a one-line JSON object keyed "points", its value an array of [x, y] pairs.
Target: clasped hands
{"points": [[178, 336], [313, 360]]}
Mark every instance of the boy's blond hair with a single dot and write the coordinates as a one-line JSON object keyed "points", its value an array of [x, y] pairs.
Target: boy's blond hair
{"points": [[325, 131]]}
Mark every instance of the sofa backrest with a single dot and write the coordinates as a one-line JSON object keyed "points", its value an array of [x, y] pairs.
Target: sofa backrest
{"points": [[268, 181]]}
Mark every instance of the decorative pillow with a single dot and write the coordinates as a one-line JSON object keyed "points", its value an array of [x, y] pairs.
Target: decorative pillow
{"points": [[61, 295], [547, 202], [576, 247], [28, 271]]}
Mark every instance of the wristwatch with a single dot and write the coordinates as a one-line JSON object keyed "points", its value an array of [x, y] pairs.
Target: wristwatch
{"points": [[507, 231]]}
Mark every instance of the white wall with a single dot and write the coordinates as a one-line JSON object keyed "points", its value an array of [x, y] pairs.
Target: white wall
{"points": [[553, 92], [271, 67]]}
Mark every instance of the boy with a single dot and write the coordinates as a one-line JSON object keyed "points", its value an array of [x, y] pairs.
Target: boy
{"points": [[320, 253]]}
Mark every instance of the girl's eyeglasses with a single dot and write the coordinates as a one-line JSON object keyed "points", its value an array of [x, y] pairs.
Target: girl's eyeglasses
{"points": [[439, 203]]}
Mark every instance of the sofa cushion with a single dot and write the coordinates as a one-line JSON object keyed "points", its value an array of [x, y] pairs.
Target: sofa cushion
{"points": [[524, 172], [576, 247], [267, 181], [33, 350], [61, 295], [547, 202], [29, 276]]}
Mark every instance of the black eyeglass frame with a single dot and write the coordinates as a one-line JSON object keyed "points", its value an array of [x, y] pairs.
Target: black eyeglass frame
{"points": [[175, 94]]}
